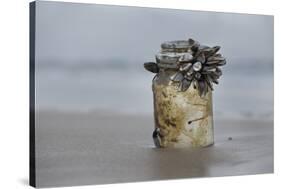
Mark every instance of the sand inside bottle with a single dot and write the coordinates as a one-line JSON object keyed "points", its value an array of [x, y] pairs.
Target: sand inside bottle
{"points": [[184, 118]]}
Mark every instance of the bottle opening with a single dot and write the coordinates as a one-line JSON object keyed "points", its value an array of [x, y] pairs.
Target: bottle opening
{"points": [[178, 45], [173, 51]]}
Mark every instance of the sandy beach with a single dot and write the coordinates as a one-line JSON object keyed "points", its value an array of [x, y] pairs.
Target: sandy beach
{"points": [[91, 148]]}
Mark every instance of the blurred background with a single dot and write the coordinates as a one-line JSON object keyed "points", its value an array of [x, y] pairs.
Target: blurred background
{"points": [[90, 57]]}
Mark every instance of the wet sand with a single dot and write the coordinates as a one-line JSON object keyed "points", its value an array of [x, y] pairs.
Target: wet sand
{"points": [[90, 148]]}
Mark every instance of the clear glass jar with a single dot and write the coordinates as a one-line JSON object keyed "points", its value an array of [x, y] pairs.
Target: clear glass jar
{"points": [[182, 118]]}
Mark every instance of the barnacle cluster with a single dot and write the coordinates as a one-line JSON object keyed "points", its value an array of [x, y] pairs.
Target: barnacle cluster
{"points": [[195, 64]]}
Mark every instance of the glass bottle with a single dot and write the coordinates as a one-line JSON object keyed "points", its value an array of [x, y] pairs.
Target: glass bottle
{"points": [[182, 118]]}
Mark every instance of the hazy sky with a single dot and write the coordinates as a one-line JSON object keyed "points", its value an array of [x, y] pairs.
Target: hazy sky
{"points": [[73, 32]]}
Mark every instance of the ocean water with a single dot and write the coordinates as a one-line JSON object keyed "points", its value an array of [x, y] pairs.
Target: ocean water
{"points": [[116, 86]]}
